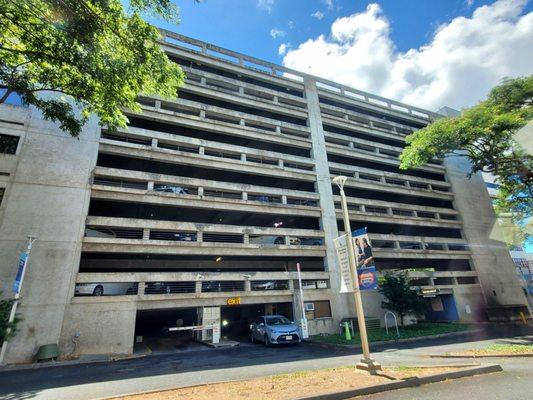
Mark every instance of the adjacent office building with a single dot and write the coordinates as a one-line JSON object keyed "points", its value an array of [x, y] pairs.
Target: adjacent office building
{"points": [[212, 199]]}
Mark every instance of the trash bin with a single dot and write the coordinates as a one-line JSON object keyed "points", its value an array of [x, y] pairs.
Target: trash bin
{"points": [[47, 352]]}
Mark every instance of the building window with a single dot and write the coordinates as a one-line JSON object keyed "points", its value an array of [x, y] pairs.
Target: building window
{"points": [[8, 144], [317, 309]]}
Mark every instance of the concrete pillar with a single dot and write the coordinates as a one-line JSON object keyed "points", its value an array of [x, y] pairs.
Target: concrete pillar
{"points": [[245, 195], [203, 81], [154, 143], [146, 234], [490, 255], [158, 104], [247, 285], [141, 288], [351, 145], [202, 114], [246, 238], [198, 286], [415, 214], [242, 122], [201, 150], [200, 237], [340, 306], [151, 185], [407, 184], [243, 156], [241, 90], [275, 100], [200, 191], [283, 199], [278, 129], [280, 163]]}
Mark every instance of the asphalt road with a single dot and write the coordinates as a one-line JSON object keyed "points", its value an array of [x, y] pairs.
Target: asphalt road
{"points": [[92, 381], [514, 383]]}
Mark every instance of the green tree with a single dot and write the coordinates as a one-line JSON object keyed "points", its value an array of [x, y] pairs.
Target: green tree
{"points": [[94, 55], [399, 297], [487, 135], [5, 310]]}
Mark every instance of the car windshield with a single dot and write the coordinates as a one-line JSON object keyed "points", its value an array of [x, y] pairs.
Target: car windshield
{"points": [[277, 321]]}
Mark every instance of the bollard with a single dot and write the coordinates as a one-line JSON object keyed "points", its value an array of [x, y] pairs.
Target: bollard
{"points": [[347, 335]]}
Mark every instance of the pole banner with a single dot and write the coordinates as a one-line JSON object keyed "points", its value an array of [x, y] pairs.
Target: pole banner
{"points": [[23, 260], [366, 269]]}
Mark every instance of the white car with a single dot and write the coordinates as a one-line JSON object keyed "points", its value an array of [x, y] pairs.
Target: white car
{"points": [[105, 289]]}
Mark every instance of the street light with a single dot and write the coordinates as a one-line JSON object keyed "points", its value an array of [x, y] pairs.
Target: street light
{"points": [[366, 363]]}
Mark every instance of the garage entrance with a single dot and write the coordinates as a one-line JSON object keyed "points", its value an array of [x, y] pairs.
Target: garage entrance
{"points": [[152, 334], [235, 320]]}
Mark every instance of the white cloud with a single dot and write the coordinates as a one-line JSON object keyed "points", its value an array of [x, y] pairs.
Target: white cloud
{"points": [[266, 5], [275, 33], [283, 48], [469, 3], [463, 60], [318, 15]]}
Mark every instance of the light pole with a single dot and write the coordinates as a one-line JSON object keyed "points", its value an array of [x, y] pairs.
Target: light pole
{"points": [[18, 285], [366, 363]]}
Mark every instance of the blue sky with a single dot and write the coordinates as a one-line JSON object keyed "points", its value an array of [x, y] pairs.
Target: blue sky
{"points": [[245, 25], [428, 53]]}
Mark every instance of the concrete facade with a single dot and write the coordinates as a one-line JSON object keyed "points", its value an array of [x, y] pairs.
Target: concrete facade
{"points": [[211, 195]]}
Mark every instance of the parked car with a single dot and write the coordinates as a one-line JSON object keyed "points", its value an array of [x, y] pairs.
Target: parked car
{"points": [[274, 329], [266, 285], [171, 189], [274, 240], [100, 232], [107, 289]]}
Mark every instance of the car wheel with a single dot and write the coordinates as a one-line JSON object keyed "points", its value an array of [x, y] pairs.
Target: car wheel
{"points": [[98, 291], [267, 342]]}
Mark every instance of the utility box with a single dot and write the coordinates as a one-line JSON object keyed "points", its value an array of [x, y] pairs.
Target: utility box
{"points": [[209, 316]]}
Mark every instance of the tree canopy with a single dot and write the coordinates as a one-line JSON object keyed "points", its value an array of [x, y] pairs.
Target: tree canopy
{"points": [[487, 135], [399, 297], [94, 55]]}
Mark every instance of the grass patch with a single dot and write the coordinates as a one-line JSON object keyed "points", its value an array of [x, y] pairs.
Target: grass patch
{"points": [[412, 331], [505, 349]]}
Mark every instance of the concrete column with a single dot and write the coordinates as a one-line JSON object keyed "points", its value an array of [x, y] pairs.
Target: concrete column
{"points": [[280, 163], [146, 234], [283, 199], [246, 238], [203, 81], [415, 214], [242, 122], [241, 90], [351, 145], [275, 100], [278, 129], [200, 237], [141, 288], [245, 195], [430, 187], [200, 191], [396, 244], [243, 156], [340, 304], [437, 215], [291, 285], [389, 211], [202, 114], [198, 287], [356, 175], [376, 150], [490, 255], [247, 285], [201, 150], [154, 143], [362, 207], [158, 104]]}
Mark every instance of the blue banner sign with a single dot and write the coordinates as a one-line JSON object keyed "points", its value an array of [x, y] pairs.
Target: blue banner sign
{"points": [[22, 265], [366, 269]]}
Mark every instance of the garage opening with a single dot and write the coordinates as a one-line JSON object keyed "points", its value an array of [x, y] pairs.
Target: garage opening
{"points": [[152, 330], [235, 320]]}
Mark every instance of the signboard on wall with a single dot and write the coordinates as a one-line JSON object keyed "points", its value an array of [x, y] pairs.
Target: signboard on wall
{"points": [[23, 260], [233, 301]]}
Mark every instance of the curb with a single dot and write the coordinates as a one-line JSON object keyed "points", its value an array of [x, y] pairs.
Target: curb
{"points": [[406, 340], [480, 356], [409, 382]]}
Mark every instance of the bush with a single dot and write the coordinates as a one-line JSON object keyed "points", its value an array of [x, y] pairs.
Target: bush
{"points": [[5, 310]]}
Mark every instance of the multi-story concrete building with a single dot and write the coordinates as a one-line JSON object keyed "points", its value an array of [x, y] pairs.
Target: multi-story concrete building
{"points": [[212, 199]]}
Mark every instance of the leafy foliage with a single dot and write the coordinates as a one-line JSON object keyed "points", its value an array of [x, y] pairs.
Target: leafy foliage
{"points": [[93, 55], [5, 310], [399, 297], [486, 134]]}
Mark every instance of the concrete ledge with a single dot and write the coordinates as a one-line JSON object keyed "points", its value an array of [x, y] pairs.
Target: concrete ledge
{"points": [[480, 356], [410, 382]]}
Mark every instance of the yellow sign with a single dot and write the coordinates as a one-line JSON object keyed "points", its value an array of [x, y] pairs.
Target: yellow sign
{"points": [[233, 301]]}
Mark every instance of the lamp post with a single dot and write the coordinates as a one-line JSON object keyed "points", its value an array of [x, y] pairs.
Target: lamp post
{"points": [[366, 363]]}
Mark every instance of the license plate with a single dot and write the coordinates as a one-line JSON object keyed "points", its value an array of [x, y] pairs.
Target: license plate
{"points": [[289, 337]]}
